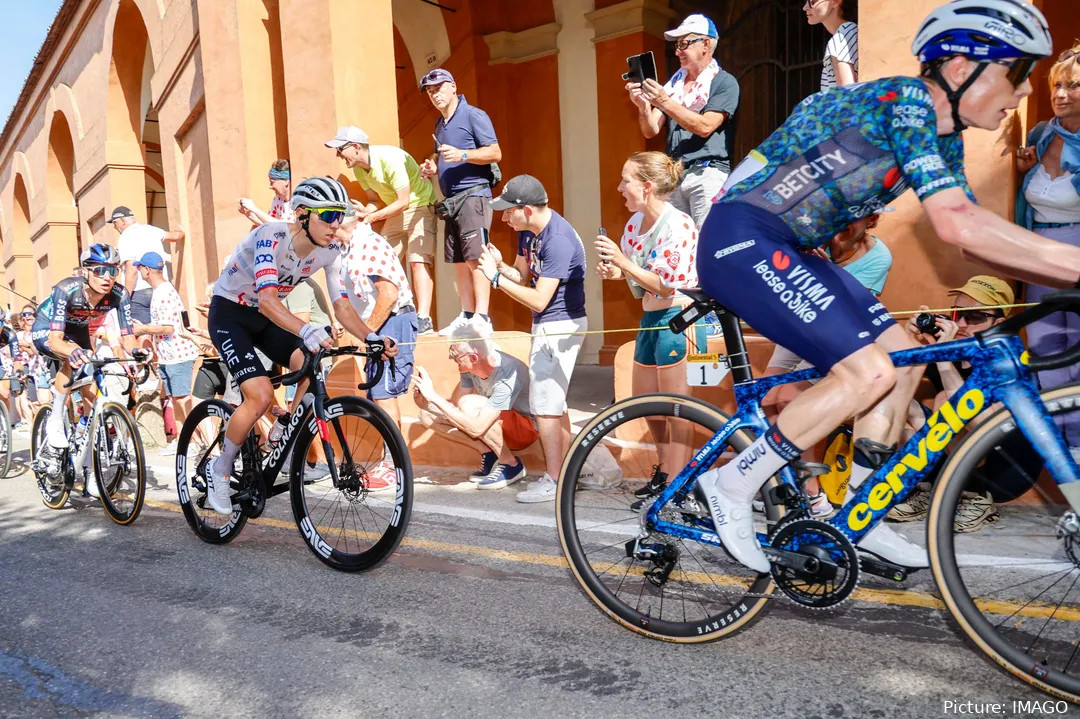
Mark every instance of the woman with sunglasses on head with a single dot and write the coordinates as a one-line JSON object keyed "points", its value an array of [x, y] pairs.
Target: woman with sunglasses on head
{"points": [[247, 311], [841, 63], [62, 331], [1049, 204], [842, 155]]}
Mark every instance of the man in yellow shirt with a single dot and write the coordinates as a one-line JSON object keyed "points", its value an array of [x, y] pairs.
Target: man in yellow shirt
{"points": [[391, 176]]}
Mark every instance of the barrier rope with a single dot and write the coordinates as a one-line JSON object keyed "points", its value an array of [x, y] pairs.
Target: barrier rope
{"points": [[659, 328]]}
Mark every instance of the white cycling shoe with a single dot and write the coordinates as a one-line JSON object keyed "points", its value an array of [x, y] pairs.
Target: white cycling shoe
{"points": [[92, 486], [734, 523], [890, 545], [217, 491]]}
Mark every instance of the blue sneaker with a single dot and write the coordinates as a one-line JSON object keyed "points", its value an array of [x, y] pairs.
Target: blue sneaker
{"points": [[503, 476], [713, 323], [487, 465]]}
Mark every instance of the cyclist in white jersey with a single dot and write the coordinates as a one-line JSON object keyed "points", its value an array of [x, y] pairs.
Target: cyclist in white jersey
{"points": [[247, 312]]}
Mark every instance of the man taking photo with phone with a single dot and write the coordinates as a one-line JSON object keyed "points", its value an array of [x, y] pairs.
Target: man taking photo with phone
{"points": [[698, 104]]}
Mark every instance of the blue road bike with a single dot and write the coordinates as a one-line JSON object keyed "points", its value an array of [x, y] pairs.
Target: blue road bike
{"points": [[1014, 587]]}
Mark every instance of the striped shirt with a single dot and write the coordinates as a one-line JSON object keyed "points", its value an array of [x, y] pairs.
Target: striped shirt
{"points": [[844, 46]]}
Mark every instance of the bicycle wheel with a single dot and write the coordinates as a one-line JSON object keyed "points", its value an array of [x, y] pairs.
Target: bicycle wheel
{"points": [[5, 440], [200, 443], [691, 592], [54, 491], [1013, 585], [119, 463], [347, 526]]}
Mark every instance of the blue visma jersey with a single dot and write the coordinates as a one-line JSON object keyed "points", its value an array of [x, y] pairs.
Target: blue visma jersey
{"points": [[846, 153]]}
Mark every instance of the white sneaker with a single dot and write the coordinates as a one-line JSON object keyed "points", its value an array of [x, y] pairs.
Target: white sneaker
{"points": [[892, 546], [483, 326], [217, 491], [459, 322], [542, 490], [169, 450], [734, 522], [92, 485]]}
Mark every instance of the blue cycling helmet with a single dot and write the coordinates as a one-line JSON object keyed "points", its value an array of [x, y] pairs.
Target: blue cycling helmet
{"points": [[100, 254], [983, 31]]}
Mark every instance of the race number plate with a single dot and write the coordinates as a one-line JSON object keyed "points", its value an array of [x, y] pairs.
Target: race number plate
{"points": [[706, 370]]}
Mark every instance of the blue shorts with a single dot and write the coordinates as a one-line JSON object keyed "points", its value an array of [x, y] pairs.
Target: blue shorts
{"points": [[749, 262], [177, 377], [402, 329], [660, 348]]}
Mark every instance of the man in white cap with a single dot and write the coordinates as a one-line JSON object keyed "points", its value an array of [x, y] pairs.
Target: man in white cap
{"points": [[391, 175], [698, 104]]}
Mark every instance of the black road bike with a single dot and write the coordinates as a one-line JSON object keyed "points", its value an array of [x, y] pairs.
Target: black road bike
{"points": [[344, 521]]}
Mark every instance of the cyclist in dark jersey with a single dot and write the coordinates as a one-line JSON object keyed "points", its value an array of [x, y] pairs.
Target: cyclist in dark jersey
{"points": [[843, 154], [65, 322]]}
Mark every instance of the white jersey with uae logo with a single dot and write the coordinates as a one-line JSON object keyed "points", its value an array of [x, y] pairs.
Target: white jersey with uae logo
{"points": [[265, 258]]}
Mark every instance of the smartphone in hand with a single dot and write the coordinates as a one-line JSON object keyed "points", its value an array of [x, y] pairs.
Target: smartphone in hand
{"points": [[603, 231]]}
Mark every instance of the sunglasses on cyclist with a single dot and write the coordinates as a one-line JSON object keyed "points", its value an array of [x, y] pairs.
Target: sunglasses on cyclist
{"points": [[103, 270], [973, 317], [1019, 70], [330, 216]]}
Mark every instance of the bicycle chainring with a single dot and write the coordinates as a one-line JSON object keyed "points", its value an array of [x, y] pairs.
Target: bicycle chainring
{"points": [[830, 571]]}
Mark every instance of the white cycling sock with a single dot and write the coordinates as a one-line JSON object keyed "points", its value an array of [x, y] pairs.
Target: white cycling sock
{"points": [[741, 478], [224, 462], [54, 425]]}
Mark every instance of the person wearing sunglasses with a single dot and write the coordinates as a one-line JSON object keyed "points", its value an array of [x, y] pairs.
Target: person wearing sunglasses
{"points": [[280, 178], [62, 331], [247, 311], [982, 302], [1049, 204], [841, 63], [697, 105], [842, 155]]}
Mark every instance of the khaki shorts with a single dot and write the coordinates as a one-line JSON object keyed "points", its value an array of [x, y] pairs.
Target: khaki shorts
{"points": [[415, 230], [551, 363]]}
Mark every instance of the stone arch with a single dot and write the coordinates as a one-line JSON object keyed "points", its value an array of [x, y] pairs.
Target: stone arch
{"points": [[423, 30], [57, 248], [62, 100], [60, 166], [127, 99]]}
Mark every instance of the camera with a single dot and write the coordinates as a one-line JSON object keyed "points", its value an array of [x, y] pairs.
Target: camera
{"points": [[927, 324]]}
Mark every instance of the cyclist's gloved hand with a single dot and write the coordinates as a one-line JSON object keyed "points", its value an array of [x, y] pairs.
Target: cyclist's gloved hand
{"points": [[315, 337], [79, 357], [390, 348], [140, 354]]}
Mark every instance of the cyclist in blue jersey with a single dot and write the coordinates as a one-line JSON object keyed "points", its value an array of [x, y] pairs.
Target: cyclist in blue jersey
{"points": [[65, 322], [843, 154]]}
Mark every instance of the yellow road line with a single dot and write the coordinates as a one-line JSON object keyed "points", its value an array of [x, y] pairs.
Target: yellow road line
{"points": [[888, 597]]}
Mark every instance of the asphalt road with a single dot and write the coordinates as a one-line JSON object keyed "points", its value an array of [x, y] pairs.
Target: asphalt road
{"points": [[474, 616]]}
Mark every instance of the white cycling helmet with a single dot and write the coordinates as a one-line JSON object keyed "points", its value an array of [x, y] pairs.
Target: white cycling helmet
{"points": [[320, 193], [983, 31]]}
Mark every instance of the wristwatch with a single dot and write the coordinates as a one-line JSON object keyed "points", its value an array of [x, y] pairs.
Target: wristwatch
{"points": [[464, 156]]}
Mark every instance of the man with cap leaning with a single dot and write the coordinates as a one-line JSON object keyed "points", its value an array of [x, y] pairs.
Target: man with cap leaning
{"points": [[391, 175], [548, 277], [698, 104], [465, 148], [136, 239], [175, 354]]}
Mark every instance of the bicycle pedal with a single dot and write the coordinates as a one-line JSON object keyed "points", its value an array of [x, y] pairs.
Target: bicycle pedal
{"points": [[881, 568], [785, 494], [806, 470]]}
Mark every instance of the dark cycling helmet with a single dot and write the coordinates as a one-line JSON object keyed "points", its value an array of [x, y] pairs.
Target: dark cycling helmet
{"points": [[99, 254], [984, 31], [320, 193]]}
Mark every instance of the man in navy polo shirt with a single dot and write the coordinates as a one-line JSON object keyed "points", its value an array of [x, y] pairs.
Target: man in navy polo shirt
{"points": [[465, 148], [548, 277]]}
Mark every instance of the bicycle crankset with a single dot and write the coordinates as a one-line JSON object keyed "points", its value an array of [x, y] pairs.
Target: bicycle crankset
{"points": [[817, 565]]}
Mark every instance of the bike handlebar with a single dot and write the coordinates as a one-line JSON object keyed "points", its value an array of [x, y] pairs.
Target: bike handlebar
{"points": [[374, 351], [98, 363], [1061, 301]]}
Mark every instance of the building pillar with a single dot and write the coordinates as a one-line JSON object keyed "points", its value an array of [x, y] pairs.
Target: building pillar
{"points": [[579, 124]]}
